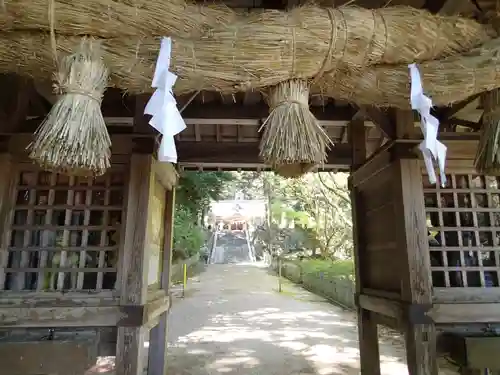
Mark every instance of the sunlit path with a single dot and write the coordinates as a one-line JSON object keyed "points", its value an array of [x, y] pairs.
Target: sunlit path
{"points": [[233, 321]]}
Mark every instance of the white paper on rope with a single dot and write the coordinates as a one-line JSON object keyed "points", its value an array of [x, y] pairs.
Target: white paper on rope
{"points": [[163, 106], [431, 148]]}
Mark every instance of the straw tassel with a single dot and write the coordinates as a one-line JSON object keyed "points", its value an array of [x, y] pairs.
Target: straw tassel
{"points": [[73, 139], [488, 151], [293, 142]]}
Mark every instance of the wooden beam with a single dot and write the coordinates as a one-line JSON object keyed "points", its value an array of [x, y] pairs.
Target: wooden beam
{"points": [[25, 92], [243, 153], [357, 140], [344, 135], [158, 336], [141, 121], [133, 268], [470, 295], [169, 240], [414, 264], [439, 313], [39, 105], [446, 113], [133, 265], [74, 316], [251, 97], [155, 308], [467, 313], [404, 125], [447, 7], [130, 351], [377, 163], [259, 111], [452, 121], [7, 189], [228, 166], [367, 326], [381, 119], [356, 119], [382, 306]]}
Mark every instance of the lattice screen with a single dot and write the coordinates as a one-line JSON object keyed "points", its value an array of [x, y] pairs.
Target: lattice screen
{"points": [[464, 231], [64, 231]]}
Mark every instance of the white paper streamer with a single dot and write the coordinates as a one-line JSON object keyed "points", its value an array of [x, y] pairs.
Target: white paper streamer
{"points": [[162, 105], [431, 148]]}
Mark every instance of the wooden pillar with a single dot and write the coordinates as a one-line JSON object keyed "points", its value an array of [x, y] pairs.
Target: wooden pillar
{"points": [[411, 238], [7, 185], [158, 337], [133, 263], [367, 327]]}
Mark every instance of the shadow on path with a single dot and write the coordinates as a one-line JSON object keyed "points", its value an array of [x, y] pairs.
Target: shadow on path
{"points": [[235, 322]]}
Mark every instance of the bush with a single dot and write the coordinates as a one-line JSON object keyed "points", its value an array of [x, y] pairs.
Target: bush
{"points": [[336, 269], [188, 237]]}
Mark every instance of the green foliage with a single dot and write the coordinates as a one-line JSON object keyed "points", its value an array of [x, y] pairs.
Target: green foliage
{"points": [[193, 196], [319, 208], [250, 183], [197, 189], [315, 210], [330, 269], [188, 237]]}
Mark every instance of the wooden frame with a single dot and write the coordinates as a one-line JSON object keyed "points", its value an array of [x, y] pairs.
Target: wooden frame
{"points": [[63, 232], [139, 310], [367, 327], [132, 307]]}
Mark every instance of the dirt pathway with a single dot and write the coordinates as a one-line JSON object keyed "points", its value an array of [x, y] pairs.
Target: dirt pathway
{"points": [[233, 321]]}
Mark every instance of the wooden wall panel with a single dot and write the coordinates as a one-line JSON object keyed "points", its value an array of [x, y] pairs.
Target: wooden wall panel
{"points": [[378, 220]]}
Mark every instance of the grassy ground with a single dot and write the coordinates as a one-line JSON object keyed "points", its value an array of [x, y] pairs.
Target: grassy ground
{"points": [[330, 269]]}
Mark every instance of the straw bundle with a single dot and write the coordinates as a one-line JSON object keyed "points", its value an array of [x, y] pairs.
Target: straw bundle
{"points": [[446, 81], [253, 50], [488, 152], [73, 138], [293, 140]]}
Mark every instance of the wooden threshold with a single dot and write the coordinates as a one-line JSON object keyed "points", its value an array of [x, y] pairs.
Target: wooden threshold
{"points": [[437, 313], [84, 316]]}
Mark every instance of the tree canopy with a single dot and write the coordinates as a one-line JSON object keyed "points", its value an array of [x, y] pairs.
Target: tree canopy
{"points": [[312, 213], [197, 189]]}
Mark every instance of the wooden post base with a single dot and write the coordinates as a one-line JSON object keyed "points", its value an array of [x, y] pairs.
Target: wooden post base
{"points": [[368, 343]]}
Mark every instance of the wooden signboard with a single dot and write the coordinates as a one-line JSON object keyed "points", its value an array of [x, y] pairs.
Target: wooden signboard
{"points": [[156, 230]]}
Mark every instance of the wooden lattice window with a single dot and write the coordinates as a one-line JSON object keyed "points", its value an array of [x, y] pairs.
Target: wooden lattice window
{"points": [[64, 231], [463, 219]]}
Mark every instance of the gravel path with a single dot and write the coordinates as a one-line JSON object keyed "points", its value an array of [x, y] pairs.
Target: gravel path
{"points": [[233, 321]]}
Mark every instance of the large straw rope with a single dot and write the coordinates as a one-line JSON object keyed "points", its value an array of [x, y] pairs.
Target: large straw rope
{"points": [[257, 49], [115, 18], [446, 81]]}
